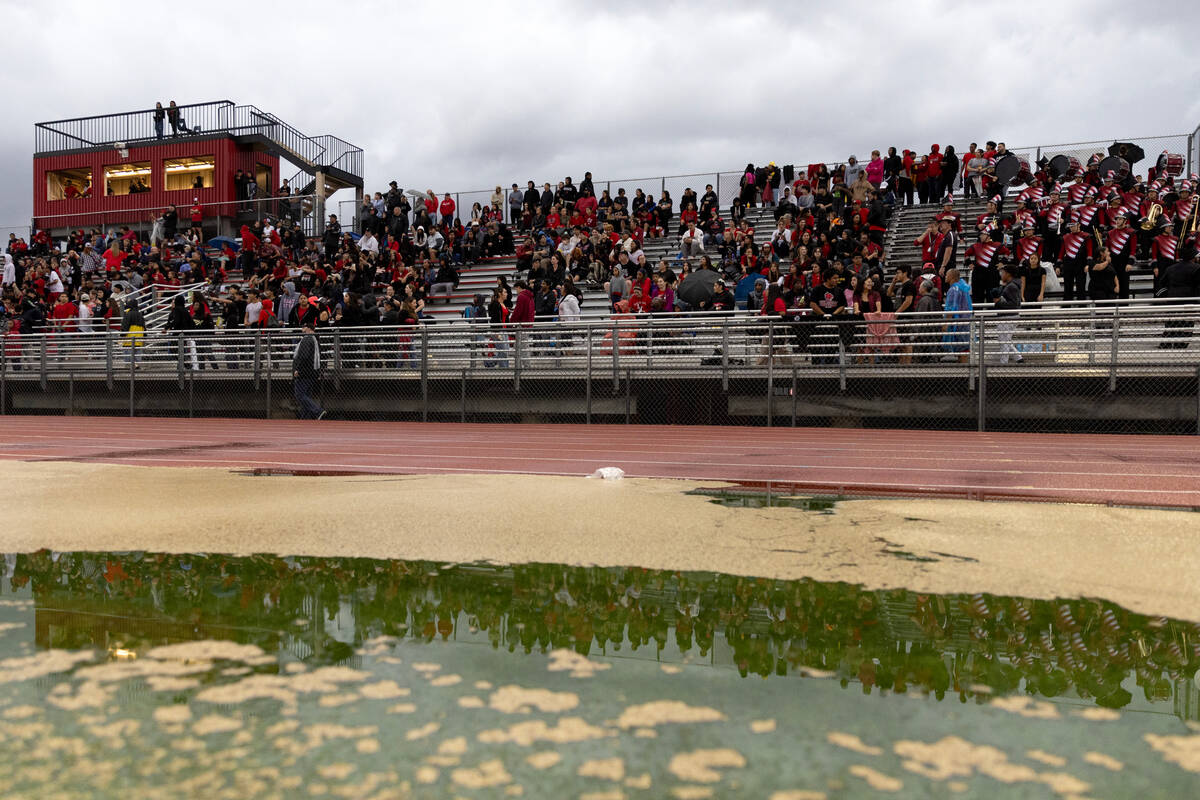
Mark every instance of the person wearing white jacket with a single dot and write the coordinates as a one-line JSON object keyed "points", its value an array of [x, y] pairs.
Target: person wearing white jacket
{"points": [[692, 243], [10, 271]]}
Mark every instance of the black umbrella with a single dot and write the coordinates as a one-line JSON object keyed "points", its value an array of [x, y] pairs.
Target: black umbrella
{"points": [[697, 287], [1132, 154]]}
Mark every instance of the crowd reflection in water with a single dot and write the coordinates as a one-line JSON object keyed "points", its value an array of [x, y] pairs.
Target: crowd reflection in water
{"points": [[896, 641]]}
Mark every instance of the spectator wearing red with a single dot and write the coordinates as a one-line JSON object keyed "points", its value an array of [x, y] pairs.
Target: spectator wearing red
{"points": [[933, 173], [447, 209], [874, 169], [65, 314], [523, 310]]}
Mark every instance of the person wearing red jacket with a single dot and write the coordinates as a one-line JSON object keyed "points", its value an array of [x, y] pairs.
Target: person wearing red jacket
{"points": [[933, 173], [447, 210]]}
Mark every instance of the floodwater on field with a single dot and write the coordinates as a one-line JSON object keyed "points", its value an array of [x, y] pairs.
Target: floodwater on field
{"points": [[150, 674]]}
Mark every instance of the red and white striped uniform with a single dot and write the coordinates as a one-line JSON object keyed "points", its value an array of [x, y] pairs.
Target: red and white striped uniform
{"points": [[1032, 194], [983, 254], [1056, 215], [1163, 247], [1084, 215], [1026, 219], [1183, 208], [1076, 245], [987, 222], [1027, 246], [1120, 241], [1079, 191]]}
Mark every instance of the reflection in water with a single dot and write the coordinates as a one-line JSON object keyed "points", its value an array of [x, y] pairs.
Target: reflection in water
{"points": [[898, 641]]}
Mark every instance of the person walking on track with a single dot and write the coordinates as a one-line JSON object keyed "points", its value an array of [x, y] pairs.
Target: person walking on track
{"points": [[306, 373]]}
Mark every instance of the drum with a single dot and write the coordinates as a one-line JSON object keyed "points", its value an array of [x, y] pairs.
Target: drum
{"points": [[1024, 174], [1007, 167], [1170, 164], [1065, 166], [1116, 165]]}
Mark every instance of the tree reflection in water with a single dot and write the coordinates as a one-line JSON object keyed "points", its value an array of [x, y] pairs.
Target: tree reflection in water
{"points": [[892, 640]]}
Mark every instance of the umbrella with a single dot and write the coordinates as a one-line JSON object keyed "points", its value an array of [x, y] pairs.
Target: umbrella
{"points": [[1132, 154], [697, 287], [221, 242], [414, 193]]}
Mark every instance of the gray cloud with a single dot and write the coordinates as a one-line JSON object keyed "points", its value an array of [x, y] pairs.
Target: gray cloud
{"points": [[470, 95]]}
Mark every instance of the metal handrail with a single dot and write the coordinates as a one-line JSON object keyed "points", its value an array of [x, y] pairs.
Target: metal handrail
{"points": [[1078, 339]]}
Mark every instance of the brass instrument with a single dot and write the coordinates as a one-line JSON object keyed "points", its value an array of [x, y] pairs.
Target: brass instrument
{"points": [[1187, 229], [1151, 220]]}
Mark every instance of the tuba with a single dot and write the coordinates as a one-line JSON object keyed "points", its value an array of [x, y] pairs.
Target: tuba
{"points": [[1151, 220]]}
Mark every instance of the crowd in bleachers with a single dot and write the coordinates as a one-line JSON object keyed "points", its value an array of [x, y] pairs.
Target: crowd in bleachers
{"points": [[816, 249]]}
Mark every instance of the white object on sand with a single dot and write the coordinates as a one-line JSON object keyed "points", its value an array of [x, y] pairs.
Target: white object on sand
{"points": [[608, 473]]}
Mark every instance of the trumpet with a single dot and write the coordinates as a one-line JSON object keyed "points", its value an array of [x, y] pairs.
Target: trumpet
{"points": [[1151, 220]]}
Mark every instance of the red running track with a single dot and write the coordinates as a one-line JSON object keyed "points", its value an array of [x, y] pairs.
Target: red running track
{"points": [[1125, 470]]}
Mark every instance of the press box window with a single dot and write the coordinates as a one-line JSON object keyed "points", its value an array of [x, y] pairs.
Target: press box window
{"points": [[194, 172], [127, 178], [69, 184]]}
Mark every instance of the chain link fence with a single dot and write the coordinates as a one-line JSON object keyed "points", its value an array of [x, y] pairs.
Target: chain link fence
{"points": [[1105, 368], [1178, 144]]}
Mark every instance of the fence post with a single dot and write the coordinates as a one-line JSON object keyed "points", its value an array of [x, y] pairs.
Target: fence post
{"points": [[981, 412], [794, 392], [518, 341], [770, 372], [269, 370], [628, 380], [337, 359], [179, 350], [192, 390], [42, 360], [257, 359], [588, 335], [424, 373], [462, 417], [725, 355], [132, 371], [3, 381], [615, 356], [1112, 357], [718, 190], [108, 359], [1198, 400]]}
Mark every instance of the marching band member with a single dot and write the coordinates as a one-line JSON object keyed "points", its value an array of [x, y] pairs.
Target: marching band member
{"points": [[1028, 244], [990, 220], [1162, 249], [1073, 256], [1120, 242], [1087, 214], [1183, 207], [1054, 220], [981, 258], [948, 212]]}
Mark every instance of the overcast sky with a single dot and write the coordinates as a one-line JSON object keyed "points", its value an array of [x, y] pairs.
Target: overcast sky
{"points": [[467, 95]]}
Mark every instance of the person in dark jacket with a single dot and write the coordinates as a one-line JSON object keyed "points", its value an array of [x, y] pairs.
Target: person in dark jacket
{"points": [[1181, 280], [306, 373], [1009, 301]]}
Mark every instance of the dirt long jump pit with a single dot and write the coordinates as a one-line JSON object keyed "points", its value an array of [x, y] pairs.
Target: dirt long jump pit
{"points": [[259, 609]]}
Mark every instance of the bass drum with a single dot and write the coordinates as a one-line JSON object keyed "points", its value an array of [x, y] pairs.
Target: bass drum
{"points": [[1007, 167], [1024, 174], [1116, 165], [1013, 170], [1065, 166], [1170, 164]]}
